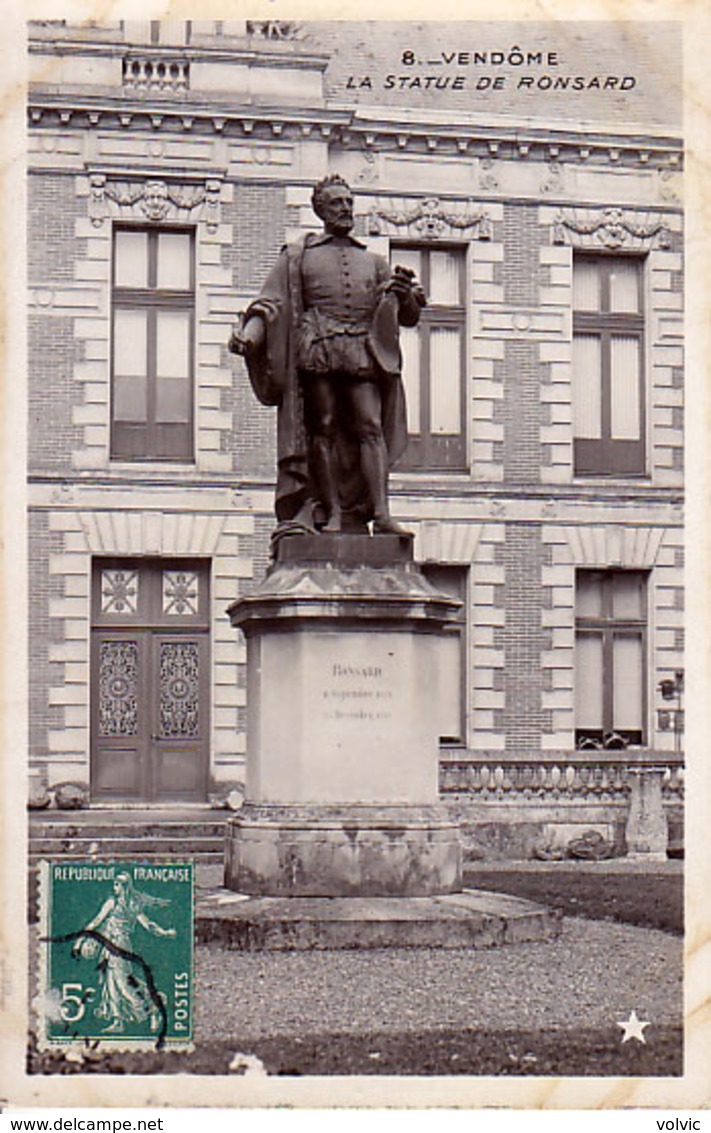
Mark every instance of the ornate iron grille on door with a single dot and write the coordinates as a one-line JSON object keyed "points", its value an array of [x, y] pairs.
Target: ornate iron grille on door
{"points": [[118, 688], [179, 689]]}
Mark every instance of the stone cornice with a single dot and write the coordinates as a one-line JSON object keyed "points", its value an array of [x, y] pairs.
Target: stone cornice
{"points": [[192, 113], [259, 57], [523, 130], [404, 485], [351, 130]]}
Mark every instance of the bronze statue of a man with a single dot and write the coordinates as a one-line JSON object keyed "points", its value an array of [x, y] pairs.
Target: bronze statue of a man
{"points": [[321, 343]]}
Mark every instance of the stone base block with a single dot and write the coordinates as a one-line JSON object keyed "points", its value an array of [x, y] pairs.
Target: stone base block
{"points": [[462, 920], [349, 851], [646, 833]]}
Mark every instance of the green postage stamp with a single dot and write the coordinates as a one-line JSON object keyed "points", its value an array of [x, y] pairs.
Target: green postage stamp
{"points": [[116, 959]]}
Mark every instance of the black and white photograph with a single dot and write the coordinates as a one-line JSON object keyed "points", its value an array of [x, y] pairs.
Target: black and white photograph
{"points": [[351, 561]]}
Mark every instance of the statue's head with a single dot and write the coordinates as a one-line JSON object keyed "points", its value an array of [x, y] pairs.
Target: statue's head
{"points": [[332, 201]]}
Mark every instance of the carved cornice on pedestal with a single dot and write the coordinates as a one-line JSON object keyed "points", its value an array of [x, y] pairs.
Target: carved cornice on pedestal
{"points": [[611, 227], [154, 199], [427, 219]]}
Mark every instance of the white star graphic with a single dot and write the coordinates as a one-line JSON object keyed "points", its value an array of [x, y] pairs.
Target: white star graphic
{"points": [[633, 1028]]}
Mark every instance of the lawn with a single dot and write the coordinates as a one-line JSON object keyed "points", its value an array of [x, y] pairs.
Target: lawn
{"points": [[577, 1051], [650, 900]]}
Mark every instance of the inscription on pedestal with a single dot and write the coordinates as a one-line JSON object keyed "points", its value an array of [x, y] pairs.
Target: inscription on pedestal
{"points": [[357, 692], [360, 701]]}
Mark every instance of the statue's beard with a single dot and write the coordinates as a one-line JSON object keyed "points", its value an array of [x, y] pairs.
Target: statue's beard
{"points": [[341, 227]]}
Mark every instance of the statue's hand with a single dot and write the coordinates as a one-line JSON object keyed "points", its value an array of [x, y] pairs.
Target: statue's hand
{"points": [[247, 337], [409, 294], [401, 282], [236, 343]]}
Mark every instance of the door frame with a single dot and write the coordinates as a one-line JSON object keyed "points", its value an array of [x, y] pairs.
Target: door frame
{"points": [[147, 625]]}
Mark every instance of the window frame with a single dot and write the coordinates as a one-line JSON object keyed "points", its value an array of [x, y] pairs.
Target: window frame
{"points": [[457, 577], [141, 754], [607, 455], [608, 627], [428, 451], [126, 437]]}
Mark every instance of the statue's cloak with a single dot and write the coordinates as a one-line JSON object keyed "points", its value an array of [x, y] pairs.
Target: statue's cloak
{"points": [[273, 374]]}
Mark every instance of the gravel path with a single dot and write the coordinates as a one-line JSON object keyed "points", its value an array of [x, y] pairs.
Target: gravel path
{"points": [[594, 974]]}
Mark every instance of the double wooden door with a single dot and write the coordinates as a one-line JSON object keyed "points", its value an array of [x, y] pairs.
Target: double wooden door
{"points": [[150, 680]]}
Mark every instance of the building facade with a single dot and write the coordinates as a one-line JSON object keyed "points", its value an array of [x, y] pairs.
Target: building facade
{"points": [[536, 191]]}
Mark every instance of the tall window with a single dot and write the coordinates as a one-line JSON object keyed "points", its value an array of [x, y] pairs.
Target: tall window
{"points": [[451, 700], [152, 357], [434, 359], [610, 651], [608, 366]]}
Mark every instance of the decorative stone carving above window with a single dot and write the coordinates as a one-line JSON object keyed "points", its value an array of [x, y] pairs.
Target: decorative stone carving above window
{"points": [[369, 172], [554, 177], [488, 177], [670, 188], [615, 546], [611, 228], [274, 29], [155, 200], [428, 219]]}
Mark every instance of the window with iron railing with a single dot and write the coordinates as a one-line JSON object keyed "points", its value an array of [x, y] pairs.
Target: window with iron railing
{"points": [[610, 657]]}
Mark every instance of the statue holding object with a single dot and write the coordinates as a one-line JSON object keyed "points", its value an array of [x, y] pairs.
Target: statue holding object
{"points": [[321, 342]]}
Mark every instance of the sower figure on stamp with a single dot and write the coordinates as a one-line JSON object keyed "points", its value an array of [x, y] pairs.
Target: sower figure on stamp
{"points": [[125, 997], [321, 343]]}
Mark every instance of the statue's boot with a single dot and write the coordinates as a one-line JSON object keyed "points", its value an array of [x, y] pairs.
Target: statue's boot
{"points": [[374, 465], [386, 525], [324, 474]]}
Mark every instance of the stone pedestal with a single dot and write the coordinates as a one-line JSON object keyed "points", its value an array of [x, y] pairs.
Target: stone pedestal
{"points": [[646, 832], [347, 851], [343, 646]]}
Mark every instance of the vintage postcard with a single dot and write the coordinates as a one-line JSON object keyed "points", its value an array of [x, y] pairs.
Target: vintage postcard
{"points": [[355, 507]]}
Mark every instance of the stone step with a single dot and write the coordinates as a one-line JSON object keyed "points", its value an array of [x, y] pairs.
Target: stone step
{"points": [[470, 919], [65, 829], [123, 836], [157, 837]]}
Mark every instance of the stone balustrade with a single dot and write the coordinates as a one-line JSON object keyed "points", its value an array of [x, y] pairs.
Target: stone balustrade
{"points": [[575, 775], [154, 73]]}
